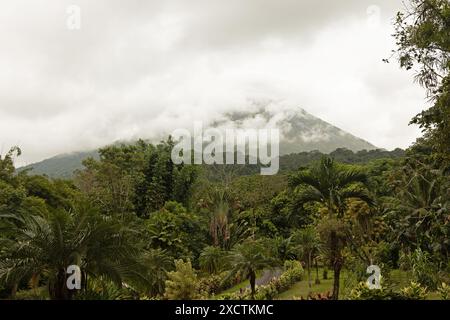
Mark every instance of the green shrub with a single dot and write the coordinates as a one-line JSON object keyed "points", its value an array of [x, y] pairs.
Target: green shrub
{"points": [[413, 292], [211, 284], [101, 289], [422, 267], [244, 294], [363, 292], [228, 281], [267, 292], [40, 293], [182, 283], [292, 264], [444, 291]]}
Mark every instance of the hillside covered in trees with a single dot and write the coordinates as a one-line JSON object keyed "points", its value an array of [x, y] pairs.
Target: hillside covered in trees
{"points": [[65, 166], [184, 231]]}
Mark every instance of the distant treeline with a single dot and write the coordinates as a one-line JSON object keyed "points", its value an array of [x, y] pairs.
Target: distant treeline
{"points": [[295, 161], [64, 166]]}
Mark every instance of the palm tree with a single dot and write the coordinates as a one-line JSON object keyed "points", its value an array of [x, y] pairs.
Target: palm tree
{"points": [[220, 207], [157, 264], [308, 246], [212, 259], [334, 235], [285, 248], [316, 264], [46, 246], [247, 259], [330, 185]]}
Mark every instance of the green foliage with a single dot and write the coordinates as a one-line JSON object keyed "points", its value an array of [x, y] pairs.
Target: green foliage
{"points": [[413, 292], [330, 184], [334, 237], [286, 213], [256, 190], [66, 166], [419, 208], [7, 168], [293, 162], [40, 293], [248, 258], [422, 268], [284, 248], [252, 196], [211, 284], [212, 259], [182, 284], [220, 205], [101, 289], [176, 230], [138, 178], [308, 246], [157, 263], [422, 34], [444, 291], [46, 246], [63, 166]]}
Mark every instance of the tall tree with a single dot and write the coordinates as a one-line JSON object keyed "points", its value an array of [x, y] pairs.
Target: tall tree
{"points": [[423, 40], [330, 184], [137, 178], [418, 213], [308, 246], [247, 259], [220, 210]]}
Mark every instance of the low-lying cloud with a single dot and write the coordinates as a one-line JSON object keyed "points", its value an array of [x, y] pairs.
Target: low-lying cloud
{"points": [[140, 68]]}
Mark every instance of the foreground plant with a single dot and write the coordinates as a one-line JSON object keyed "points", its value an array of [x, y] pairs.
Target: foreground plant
{"points": [[42, 247]]}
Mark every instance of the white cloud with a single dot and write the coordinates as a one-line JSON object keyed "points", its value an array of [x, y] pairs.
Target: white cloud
{"points": [[138, 68]]}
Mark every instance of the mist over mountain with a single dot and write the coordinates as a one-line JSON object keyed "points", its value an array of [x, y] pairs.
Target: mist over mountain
{"points": [[300, 131]]}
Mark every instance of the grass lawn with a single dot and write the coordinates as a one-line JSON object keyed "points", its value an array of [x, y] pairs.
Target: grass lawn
{"points": [[301, 288], [399, 278], [235, 288]]}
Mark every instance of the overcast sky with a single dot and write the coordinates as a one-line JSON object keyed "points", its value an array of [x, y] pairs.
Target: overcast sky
{"points": [[137, 68]]}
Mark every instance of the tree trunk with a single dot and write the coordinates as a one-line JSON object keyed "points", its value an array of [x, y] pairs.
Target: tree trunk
{"points": [[337, 264], [84, 281], [317, 281], [58, 290], [252, 277], [14, 291], [337, 274], [309, 270]]}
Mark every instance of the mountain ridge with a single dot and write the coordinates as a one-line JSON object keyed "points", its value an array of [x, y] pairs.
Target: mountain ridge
{"points": [[300, 132]]}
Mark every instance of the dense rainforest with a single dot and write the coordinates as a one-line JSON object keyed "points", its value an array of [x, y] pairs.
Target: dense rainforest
{"points": [[139, 226]]}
